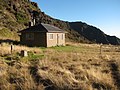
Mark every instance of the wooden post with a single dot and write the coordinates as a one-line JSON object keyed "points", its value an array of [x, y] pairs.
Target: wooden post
{"points": [[11, 48], [24, 53]]}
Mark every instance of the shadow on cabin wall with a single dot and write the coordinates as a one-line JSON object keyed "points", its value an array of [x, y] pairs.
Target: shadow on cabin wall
{"points": [[14, 42], [9, 41]]}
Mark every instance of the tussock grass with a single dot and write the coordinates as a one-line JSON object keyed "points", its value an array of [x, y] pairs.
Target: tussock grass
{"points": [[5, 48], [76, 66]]}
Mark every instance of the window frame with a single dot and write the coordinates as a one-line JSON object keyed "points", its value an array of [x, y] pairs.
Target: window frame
{"points": [[51, 36]]}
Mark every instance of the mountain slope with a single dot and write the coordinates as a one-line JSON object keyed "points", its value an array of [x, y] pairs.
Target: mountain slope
{"points": [[94, 34], [15, 15]]}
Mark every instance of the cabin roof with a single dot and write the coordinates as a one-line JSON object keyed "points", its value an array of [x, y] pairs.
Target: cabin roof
{"points": [[43, 28]]}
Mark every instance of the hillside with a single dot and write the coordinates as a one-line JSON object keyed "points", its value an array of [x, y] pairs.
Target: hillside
{"points": [[15, 15], [94, 34]]}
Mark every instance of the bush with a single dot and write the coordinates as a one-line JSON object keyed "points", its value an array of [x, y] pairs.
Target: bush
{"points": [[21, 17], [5, 32]]}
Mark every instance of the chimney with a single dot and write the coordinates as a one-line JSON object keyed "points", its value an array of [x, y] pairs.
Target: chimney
{"points": [[33, 18], [31, 23], [34, 22]]}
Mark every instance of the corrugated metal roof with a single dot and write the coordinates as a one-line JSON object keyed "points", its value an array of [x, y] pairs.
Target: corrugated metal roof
{"points": [[43, 28], [51, 28]]}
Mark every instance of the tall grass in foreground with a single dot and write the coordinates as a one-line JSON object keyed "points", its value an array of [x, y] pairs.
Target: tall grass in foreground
{"points": [[5, 48], [74, 67]]}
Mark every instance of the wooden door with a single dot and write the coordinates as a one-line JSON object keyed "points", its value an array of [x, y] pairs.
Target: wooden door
{"points": [[57, 39]]}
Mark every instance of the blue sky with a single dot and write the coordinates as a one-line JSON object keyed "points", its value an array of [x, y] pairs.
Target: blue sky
{"points": [[104, 14]]}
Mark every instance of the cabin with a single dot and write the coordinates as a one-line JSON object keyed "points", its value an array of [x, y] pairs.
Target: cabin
{"points": [[42, 35]]}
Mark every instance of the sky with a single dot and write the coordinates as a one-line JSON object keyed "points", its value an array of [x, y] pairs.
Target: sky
{"points": [[103, 14]]}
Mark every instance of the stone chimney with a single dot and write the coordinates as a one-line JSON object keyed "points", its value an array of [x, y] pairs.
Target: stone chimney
{"points": [[33, 21], [30, 24]]}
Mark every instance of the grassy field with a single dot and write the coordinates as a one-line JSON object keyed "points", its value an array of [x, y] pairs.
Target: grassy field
{"points": [[73, 67]]}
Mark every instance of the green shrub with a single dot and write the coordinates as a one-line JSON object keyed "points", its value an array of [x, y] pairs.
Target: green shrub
{"points": [[21, 17], [5, 32], [33, 56]]}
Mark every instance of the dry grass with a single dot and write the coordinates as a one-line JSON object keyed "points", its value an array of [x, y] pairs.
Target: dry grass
{"points": [[6, 49], [76, 66]]}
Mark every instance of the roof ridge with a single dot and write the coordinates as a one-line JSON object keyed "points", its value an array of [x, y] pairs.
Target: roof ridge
{"points": [[42, 27]]}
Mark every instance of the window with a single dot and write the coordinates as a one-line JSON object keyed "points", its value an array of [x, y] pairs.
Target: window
{"points": [[29, 36], [50, 36]]}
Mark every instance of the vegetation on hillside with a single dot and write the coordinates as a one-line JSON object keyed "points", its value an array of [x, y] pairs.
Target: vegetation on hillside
{"points": [[14, 16]]}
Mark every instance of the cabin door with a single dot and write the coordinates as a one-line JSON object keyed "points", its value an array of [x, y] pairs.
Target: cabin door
{"points": [[57, 39]]}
